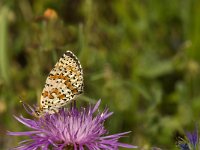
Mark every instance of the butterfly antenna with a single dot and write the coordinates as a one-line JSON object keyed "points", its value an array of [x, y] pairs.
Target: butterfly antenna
{"points": [[27, 107]]}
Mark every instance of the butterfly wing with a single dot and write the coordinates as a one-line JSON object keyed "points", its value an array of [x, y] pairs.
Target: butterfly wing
{"points": [[64, 83]]}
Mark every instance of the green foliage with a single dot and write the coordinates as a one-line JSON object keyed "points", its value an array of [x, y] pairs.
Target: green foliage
{"points": [[140, 57]]}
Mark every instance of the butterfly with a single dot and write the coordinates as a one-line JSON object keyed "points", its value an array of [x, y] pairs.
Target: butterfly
{"points": [[63, 84]]}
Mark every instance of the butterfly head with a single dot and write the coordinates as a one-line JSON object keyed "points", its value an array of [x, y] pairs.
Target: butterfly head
{"points": [[38, 112]]}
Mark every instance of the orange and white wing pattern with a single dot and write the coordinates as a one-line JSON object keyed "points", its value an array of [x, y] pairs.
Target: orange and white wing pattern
{"points": [[64, 84]]}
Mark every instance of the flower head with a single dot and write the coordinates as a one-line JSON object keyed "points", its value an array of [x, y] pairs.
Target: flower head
{"points": [[191, 142], [193, 138], [184, 146], [70, 128]]}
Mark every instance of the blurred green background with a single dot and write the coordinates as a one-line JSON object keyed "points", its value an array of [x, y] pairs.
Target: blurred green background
{"points": [[141, 57]]}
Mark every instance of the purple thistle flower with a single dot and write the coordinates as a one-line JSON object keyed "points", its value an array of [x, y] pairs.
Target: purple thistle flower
{"points": [[70, 129], [184, 146], [191, 142], [193, 138]]}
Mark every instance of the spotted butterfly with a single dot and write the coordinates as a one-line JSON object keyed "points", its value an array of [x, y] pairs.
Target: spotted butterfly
{"points": [[63, 84]]}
